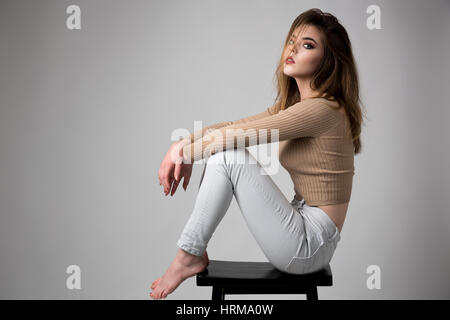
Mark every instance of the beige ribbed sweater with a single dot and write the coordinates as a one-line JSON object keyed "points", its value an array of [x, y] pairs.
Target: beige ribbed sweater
{"points": [[313, 146]]}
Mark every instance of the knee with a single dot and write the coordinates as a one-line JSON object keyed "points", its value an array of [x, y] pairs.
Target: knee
{"points": [[230, 153], [231, 162], [229, 158], [232, 156]]}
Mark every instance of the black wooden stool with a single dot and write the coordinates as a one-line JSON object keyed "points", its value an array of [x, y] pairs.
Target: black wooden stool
{"points": [[234, 277]]}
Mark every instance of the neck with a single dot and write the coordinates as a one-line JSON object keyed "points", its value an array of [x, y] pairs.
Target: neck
{"points": [[305, 89]]}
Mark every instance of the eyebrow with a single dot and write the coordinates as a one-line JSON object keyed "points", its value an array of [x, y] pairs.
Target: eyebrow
{"points": [[305, 38]]}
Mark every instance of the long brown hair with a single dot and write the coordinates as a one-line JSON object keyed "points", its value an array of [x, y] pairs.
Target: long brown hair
{"points": [[336, 78]]}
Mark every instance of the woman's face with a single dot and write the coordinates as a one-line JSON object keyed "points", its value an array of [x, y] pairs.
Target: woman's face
{"points": [[307, 51]]}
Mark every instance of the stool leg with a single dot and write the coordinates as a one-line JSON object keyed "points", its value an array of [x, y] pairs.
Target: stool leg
{"points": [[217, 293], [311, 294]]}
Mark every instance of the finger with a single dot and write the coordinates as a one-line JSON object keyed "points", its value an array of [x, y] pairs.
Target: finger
{"points": [[174, 187], [171, 183], [187, 178], [166, 183], [159, 177], [186, 181], [177, 173]]}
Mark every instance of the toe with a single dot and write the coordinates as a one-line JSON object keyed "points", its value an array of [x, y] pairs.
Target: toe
{"points": [[155, 283], [155, 293]]}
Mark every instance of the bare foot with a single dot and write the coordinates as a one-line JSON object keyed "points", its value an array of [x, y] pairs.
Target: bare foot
{"points": [[184, 265], [155, 283]]}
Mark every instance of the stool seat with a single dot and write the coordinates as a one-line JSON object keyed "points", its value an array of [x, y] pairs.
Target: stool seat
{"points": [[239, 277]]}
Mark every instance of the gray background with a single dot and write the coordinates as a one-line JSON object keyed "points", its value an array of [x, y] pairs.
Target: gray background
{"points": [[86, 117]]}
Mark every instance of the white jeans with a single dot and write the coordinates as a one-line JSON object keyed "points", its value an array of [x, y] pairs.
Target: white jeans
{"points": [[295, 237]]}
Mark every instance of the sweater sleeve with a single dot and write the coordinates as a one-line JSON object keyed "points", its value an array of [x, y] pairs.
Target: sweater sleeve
{"points": [[303, 119], [201, 133]]}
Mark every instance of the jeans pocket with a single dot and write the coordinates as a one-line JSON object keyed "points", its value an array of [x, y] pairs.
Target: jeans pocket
{"points": [[316, 261]]}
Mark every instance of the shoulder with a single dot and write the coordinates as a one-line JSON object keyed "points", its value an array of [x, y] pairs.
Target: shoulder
{"points": [[319, 106], [323, 106], [332, 104], [273, 109]]}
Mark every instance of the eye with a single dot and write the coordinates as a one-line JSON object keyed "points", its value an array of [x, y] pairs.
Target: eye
{"points": [[308, 44], [291, 41]]}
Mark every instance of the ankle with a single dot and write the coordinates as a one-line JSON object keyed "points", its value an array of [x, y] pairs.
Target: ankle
{"points": [[186, 256]]}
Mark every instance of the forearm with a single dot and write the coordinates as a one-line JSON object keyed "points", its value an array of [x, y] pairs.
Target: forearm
{"points": [[200, 134], [299, 120]]}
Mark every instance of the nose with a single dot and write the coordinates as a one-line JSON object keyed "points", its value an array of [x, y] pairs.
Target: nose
{"points": [[292, 48], [291, 52]]}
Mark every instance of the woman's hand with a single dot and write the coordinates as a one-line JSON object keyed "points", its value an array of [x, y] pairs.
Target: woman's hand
{"points": [[172, 169]]}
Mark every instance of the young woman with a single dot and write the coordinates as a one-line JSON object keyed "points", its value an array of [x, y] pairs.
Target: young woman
{"points": [[318, 119]]}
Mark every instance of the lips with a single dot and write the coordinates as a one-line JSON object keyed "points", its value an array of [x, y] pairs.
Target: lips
{"points": [[290, 60]]}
